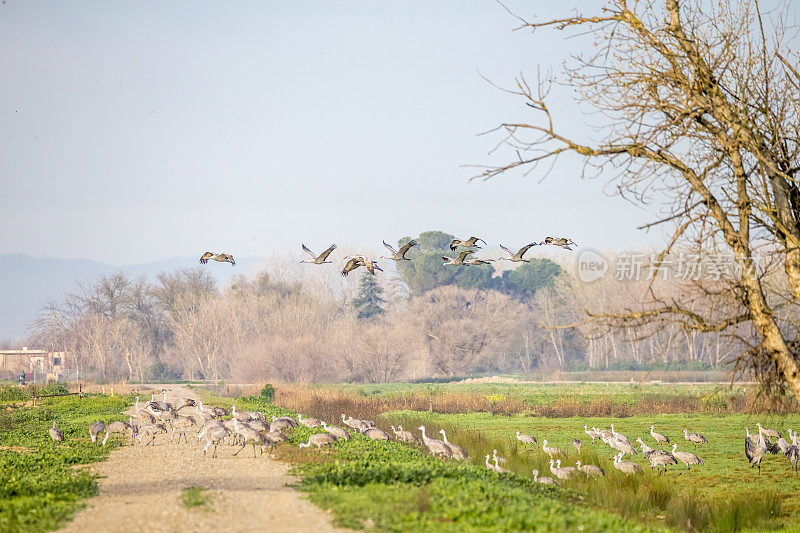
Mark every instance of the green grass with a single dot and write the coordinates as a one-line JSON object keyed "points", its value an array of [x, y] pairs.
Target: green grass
{"points": [[401, 488], [40, 487], [192, 497], [542, 394], [723, 494]]}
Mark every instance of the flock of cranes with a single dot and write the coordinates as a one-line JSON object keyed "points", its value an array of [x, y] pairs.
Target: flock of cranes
{"points": [[468, 247], [217, 425]]}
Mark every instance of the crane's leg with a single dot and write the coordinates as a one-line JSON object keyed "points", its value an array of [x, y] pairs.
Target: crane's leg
{"points": [[240, 449], [254, 449]]}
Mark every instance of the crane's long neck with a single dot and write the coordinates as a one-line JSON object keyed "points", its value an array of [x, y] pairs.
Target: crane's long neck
{"points": [[496, 463], [444, 436], [674, 447], [424, 437]]}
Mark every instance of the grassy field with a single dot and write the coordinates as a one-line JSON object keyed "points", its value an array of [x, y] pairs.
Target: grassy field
{"points": [[42, 483], [724, 494]]}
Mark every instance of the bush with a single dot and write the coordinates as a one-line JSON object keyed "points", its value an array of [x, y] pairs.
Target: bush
{"points": [[14, 393], [268, 393]]}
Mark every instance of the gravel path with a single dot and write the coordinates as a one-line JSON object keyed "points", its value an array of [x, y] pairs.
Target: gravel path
{"points": [[141, 485]]}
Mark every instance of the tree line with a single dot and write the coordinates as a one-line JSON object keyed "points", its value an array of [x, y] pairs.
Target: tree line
{"points": [[418, 322]]}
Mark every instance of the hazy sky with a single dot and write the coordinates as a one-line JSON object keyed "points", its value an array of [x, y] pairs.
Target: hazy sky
{"points": [[133, 131]]}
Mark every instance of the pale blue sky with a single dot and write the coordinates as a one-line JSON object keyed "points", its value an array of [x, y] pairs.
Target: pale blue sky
{"points": [[133, 131]]}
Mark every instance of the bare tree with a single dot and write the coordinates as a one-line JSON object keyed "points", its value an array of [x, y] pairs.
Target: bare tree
{"points": [[702, 107]]}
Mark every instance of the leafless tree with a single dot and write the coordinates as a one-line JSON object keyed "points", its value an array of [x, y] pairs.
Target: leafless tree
{"points": [[701, 105]]}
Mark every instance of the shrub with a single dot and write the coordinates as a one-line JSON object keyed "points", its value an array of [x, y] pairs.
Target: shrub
{"points": [[268, 393]]}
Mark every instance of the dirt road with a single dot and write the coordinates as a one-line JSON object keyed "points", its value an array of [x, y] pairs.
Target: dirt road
{"points": [[141, 485]]}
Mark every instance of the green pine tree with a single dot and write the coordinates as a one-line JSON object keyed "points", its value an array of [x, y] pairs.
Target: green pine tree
{"points": [[370, 299]]}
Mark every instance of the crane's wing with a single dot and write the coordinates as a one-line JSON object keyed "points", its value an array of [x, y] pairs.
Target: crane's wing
{"points": [[478, 240], [206, 256], [463, 255], [229, 257], [454, 244], [525, 248], [370, 267], [406, 247], [351, 265], [389, 247], [309, 252], [506, 250], [324, 255]]}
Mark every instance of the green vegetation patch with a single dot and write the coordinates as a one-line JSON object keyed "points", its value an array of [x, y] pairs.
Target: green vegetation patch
{"points": [[722, 494], [192, 497], [396, 487], [40, 486]]}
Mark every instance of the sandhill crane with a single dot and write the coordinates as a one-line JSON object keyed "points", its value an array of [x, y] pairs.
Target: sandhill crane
{"points": [[95, 428], [469, 243], [55, 433], [646, 450], [317, 259], [622, 445], [770, 433], [279, 425], [181, 424], [517, 257], [619, 435], [793, 453], [552, 450], [605, 434], [590, 470], [241, 416], [627, 467], [376, 434], [215, 411], [754, 449], [662, 458], [497, 458], [185, 402], [115, 427], [593, 433], [272, 439], [399, 255], [477, 262], [336, 431], [576, 444], [658, 436], [291, 421], [543, 480], [559, 241], [214, 435], [258, 425], [309, 422], [405, 436], [319, 440], [436, 446], [359, 261], [247, 434], [134, 428], [688, 458], [222, 258], [148, 430], [458, 261], [456, 452], [496, 467], [562, 472], [697, 438], [526, 439]]}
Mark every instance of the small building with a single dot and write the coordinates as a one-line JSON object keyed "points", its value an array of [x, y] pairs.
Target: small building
{"points": [[42, 362]]}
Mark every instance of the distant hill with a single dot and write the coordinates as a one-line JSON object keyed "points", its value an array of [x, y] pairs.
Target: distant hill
{"points": [[27, 283]]}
